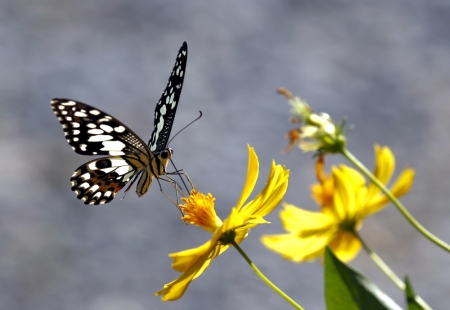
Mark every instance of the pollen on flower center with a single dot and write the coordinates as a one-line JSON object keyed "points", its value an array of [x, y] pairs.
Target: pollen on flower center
{"points": [[199, 210]]}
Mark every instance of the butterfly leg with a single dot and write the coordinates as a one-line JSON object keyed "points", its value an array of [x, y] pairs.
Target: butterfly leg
{"points": [[181, 173], [177, 191]]}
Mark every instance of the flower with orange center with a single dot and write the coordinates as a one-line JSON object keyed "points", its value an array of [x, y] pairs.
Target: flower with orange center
{"points": [[199, 210], [345, 201]]}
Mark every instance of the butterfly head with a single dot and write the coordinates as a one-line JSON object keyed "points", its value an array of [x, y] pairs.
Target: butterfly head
{"points": [[163, 158], [166, 154]]}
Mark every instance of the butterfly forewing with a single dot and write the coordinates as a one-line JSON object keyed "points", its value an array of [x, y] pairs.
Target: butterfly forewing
{"points": [[167, 106], [92, 132]]}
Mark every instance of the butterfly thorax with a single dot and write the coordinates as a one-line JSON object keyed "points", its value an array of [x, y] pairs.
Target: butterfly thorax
{"points": [[155, 168], [161, 160]]}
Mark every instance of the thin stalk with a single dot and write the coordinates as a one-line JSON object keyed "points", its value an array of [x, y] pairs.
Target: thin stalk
{"points": [[395, 201], [388, 271], [265, 279]]}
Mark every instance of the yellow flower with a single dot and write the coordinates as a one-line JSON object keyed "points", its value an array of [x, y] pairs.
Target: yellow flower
{"points": [[199, 210], [345, 201]]}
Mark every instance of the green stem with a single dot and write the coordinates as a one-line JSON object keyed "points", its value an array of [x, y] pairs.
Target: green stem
{"points": [[396, 202], [263, 277], [388, 271], [380, 263]]}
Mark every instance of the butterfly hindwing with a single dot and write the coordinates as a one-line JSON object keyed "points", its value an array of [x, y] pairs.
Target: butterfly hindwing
{"points": [[167, 106], [93, 132], [98, 181]]}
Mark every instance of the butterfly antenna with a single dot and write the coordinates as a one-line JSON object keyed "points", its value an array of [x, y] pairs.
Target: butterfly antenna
{"points": [[186, 127]]}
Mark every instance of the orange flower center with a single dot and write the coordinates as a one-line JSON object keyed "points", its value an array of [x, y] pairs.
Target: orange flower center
{"points": [[199, 211]]}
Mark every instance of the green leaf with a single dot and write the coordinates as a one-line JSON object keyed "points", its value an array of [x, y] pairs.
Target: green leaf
{"points": [[414, 302], [347, 289]]}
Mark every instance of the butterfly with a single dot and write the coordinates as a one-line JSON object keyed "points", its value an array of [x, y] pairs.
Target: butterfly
{"points": [[93, 132]]}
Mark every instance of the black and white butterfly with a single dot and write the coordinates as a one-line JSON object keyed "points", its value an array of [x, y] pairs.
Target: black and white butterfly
{"points": [[92, 132]]}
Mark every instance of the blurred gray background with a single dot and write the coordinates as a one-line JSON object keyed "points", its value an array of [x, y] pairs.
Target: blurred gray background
{"points": [[385, 65]]}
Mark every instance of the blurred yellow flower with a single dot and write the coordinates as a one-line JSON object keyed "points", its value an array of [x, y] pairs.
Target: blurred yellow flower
{"points": [[345, 201], [199, 210]]}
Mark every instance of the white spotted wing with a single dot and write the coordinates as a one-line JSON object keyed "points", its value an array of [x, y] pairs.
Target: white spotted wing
{"points": [[167, 106], [93, 132]]}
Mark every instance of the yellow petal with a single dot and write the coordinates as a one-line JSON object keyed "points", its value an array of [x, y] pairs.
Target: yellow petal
{"points": [[252, 176], [242, 233], [234, 220], [353, 176], [344, 193], [184, 260], [237, 222], [175, 289], [345, 245], [401, 186], [298, 249], [403, 183], [384, 168], [271, 195], [299, 221], [218, 249], [385, 163], [193, 262]]}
